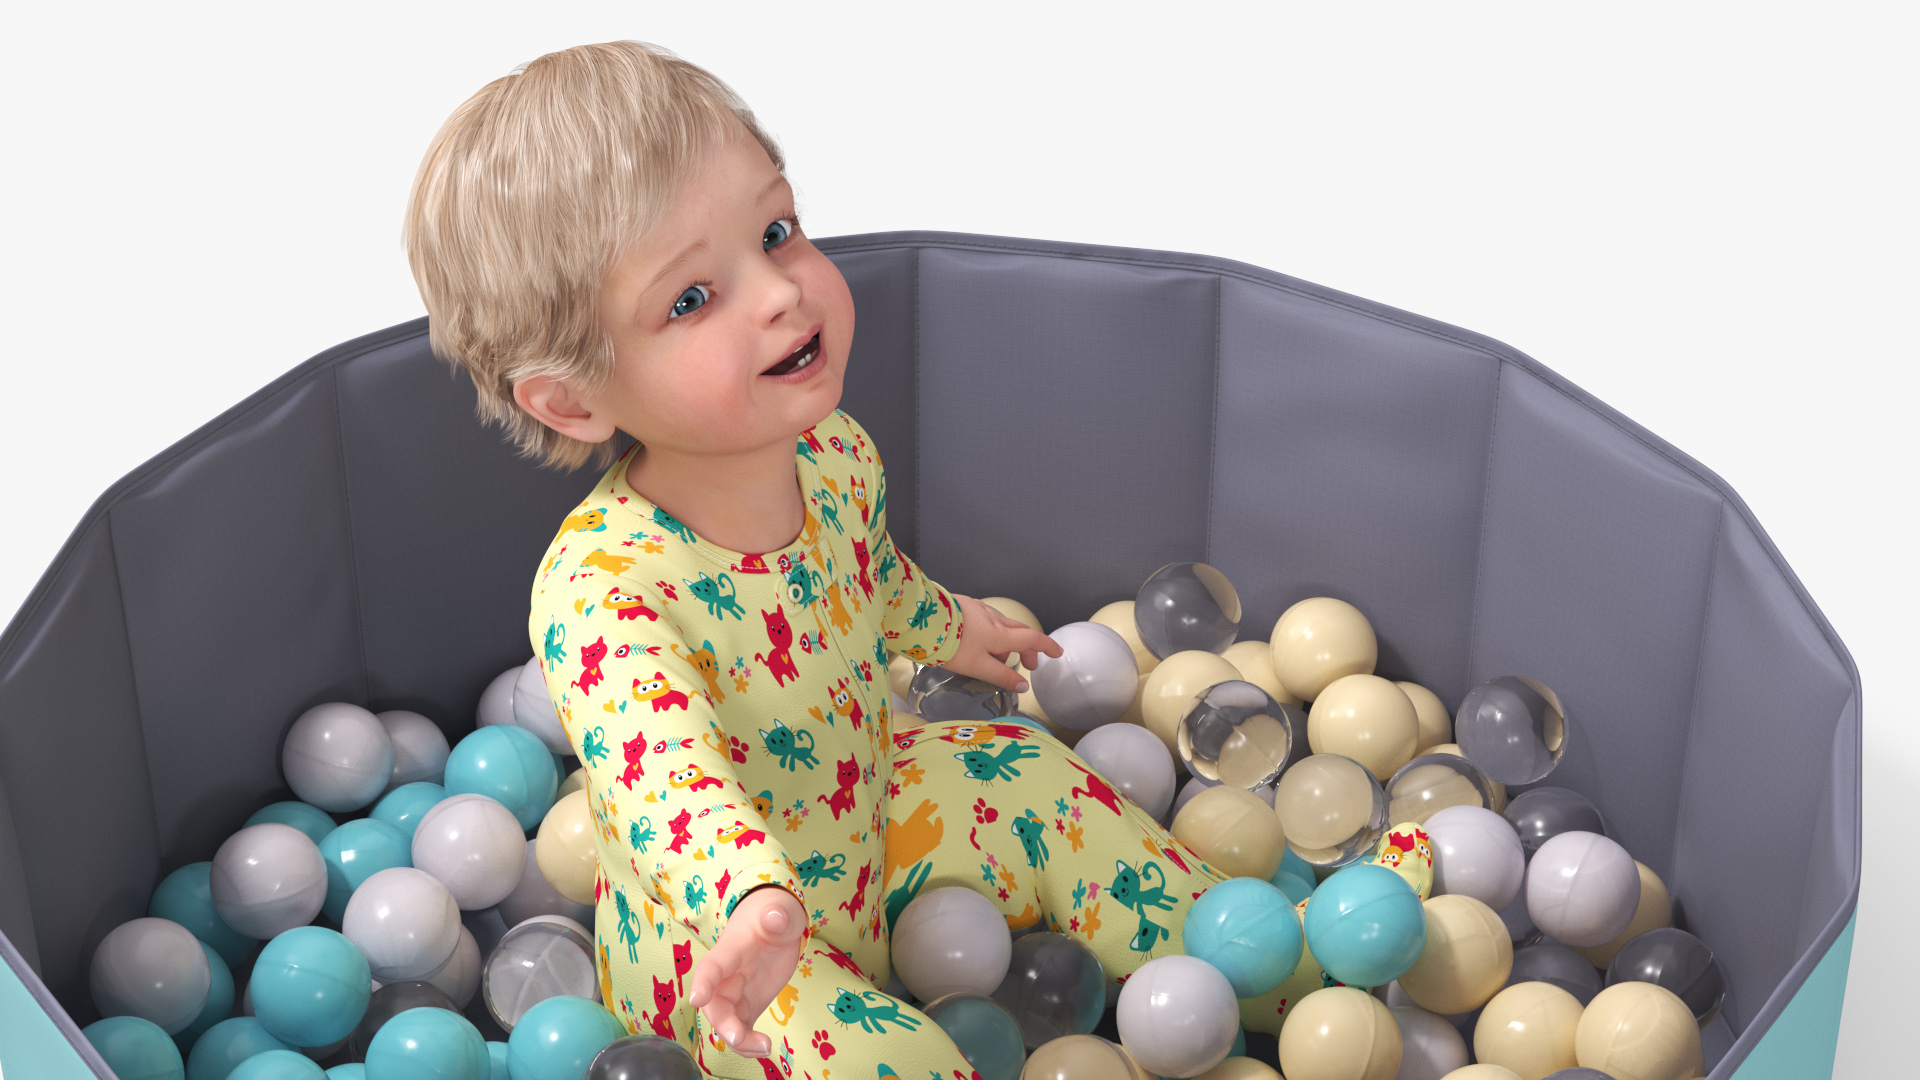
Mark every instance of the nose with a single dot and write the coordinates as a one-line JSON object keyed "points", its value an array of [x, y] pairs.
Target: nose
{"points": [[778, 291]]}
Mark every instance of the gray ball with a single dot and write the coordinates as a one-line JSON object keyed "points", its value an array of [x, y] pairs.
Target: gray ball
{"points": [[337, 756], [1186, 605], [643, 1057], [938, 694], [1558, 965], [534, 895], [1055, 987], [1543, 813], [268, 879], [154, 969], [1677, 960]]}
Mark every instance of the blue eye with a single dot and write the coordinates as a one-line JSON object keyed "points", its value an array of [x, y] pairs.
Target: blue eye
{"points": [[785, 231], [697, 294]]}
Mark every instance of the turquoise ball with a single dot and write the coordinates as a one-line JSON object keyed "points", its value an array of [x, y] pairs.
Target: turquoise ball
{"points": [[310, 986], [355, 852], [219, 1004], [404, 806], [138, 1049], [509, 765], [428, 1044], [227, 1044], [1366, 926], [557, 1039], [278, 1065], [186, 897], [1247, 929], [306, 817]]}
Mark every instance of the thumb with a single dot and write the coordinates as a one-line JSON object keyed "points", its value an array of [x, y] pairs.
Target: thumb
{"points": [[777, 924]]}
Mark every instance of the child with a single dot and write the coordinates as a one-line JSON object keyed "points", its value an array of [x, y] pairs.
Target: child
{"points": [[605, 242]]}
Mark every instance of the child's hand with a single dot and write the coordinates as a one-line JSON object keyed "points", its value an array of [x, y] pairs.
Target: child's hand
{"points": [[986, 639], [756, 954]]}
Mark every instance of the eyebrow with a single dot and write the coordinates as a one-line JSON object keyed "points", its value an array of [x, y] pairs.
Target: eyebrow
{"points": [[700, 243]]}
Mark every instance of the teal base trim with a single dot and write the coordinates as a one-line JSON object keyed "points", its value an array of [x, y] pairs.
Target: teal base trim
{"points": [[1801, 1043], [31, 1046]]}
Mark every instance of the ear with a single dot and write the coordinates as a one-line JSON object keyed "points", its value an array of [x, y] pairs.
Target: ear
{"points": [[560, 407]]}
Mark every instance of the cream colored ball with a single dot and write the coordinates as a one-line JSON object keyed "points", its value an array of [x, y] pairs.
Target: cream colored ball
{"points": [[1340, 1033], [564, 848], [1436, 726], [1528, 1027], [1321, 639], [1254, 661], [1323, 801], [900, 675], [1119, 616], [1079, 1057], [1654, 912], [1171, 688], [1482, 1072], [1467, 958], [1639, 1031], [1240, 1068], [575, 781], [1233, 830], [1366, 718]]}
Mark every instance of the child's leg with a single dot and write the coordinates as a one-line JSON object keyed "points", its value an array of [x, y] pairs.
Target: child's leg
{"points": [[1009, 812]]}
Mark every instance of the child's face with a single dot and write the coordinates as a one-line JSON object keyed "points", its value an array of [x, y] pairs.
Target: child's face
{"points": [[693, 341]]}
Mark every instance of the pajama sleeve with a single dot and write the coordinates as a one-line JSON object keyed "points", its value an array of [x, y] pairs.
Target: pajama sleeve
{"points": [[921, 619], [660, 767]]}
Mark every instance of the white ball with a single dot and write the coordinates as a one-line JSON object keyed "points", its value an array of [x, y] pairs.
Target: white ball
{"points": [[154, 969], [496, 701], [419, 748], [267, 879], [459, 977], [1430, 1046], [1091, 682], [534, 895], [1134, 761], [1177, 1016], [337, 756], [951, 941], [475, 846], [1477, 853], [1197, 784], [1582, 888], [533, 709], [404, 921]]}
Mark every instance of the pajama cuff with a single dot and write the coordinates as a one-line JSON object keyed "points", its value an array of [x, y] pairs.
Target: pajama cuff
{"points": [[770, 873]]}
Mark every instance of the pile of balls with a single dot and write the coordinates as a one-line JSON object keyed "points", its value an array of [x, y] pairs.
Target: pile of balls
{"points": [[361, 934], [1386, 901]]}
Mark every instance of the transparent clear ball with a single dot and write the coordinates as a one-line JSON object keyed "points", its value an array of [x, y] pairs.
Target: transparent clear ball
{"points": [[1237, 734], [1513, 727], [1186, 605]]}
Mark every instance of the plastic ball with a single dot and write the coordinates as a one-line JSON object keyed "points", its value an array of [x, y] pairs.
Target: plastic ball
{"points": [[151, 968], [1134, 761], [1550, 963], [219, 1004], [1091, 682], [278, 1065], [337, 756], [1678, 961], [136, 1048], [474, 846], [226, 1044], [535, 895], [1365, 926], [1639, 1031], [1340, 1033], [1177, 1016], [1436, 725], [352, 1070], [1233, 831], [951, 941], [1186, 605], [565, 851], [641, 1057], [497, 1059], [1173, 688], [938, 694], [1197, 784], [390, 1001], [1236, 733], [459, 977], [1430, 1046], [404, 806], [1321, 639], [987, 1034], [1332, 809], [1466, 959], [1476, 853], [1582, 889], [547, 956], [1407, 850], [1080, 1057], [1118, 617], [429, 1044], [509, 765], [1483, 1071], [404, 921], [355, 852], [534, 711], [1528, 1027], [1499, 805], [186, 897], [1244, 927], [310, 986], [1055, 987], [496, 701], [1520, 928], [267, 879], [1254, 660], [1366, 718], [1431, 783], [1653, 911], [1240, 1067], [1578, 1073], [1513, 727], [420, 748], [558, 1038], [1540, 814]]}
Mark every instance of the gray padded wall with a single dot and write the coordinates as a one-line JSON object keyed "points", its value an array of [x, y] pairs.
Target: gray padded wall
{"points": [[1080, 416]]}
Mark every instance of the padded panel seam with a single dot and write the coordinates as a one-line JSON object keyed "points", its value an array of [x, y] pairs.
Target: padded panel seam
{"points": [[353, 553], [919, 429], [1213, 436], [1480, 542], [1693, 699]]}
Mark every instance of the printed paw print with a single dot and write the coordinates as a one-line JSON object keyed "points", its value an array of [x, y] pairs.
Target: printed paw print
{"points": [[984, 814], [739, 749], [821, 1045]]}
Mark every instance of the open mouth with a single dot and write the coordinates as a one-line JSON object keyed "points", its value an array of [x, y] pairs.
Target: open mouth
{"points": [[799, 358]]}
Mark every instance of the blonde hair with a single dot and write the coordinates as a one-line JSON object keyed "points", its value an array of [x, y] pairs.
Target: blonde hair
{"points": [[527, 195]]}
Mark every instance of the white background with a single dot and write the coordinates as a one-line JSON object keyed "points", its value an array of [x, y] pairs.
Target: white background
{"points": [[1702, 214]]}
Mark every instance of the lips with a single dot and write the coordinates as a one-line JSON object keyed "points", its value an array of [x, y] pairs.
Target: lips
{"points": [[808, 350]]}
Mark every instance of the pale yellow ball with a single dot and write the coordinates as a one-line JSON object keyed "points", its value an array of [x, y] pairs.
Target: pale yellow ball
{"points": [[1171, 688], [900, 674], [1639, 1031], [1321, 639], [1366, 718], [1340, 1033], [1467, 958], [1654, 912], [575, 781], [1436, 726], [1119, 616], [1240, 1068], [1481, 1072], [564, 848], [1254, 661], [1324, 801], [1528, 1027], [1079, 1057], [1232, 830]]}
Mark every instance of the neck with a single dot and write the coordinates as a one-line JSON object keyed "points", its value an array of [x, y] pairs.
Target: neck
{"points": [[749, 502]]}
